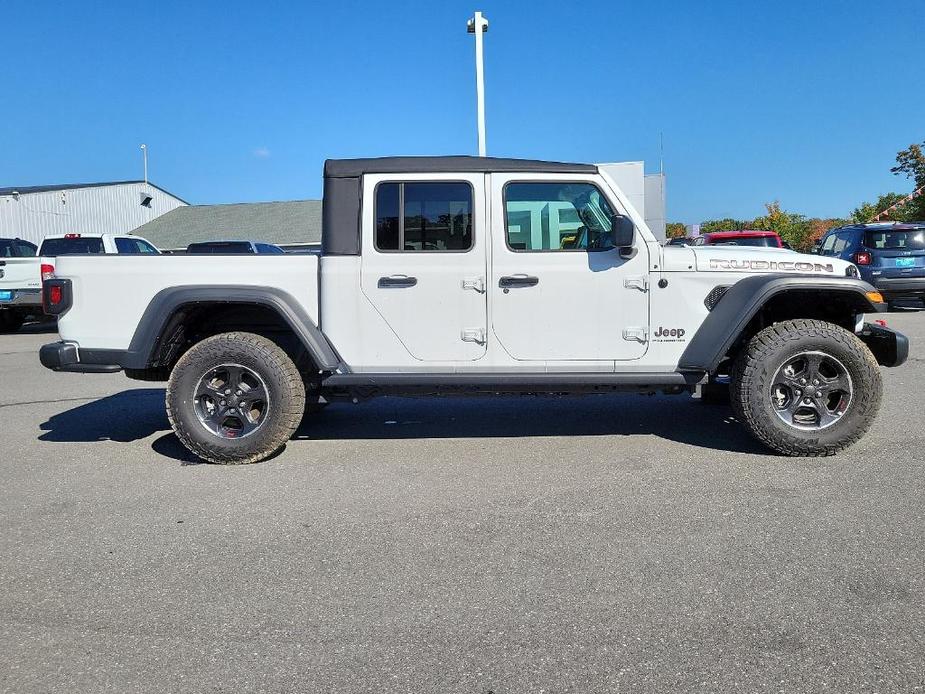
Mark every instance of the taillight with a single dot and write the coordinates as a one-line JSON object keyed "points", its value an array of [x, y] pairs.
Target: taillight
{"points": [[48, 271], [56, 296], [862, 258]]}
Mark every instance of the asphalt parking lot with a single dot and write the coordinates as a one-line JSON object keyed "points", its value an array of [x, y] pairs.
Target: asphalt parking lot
{"points": [[606, 543]]}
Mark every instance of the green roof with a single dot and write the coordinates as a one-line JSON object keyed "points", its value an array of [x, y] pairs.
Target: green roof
{"points": [[288, 222]]}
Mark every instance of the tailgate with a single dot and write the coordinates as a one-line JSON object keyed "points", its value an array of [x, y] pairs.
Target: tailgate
{"points": [[899, 263], [20, 273]]}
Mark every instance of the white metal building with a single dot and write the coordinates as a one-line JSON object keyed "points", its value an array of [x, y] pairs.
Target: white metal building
{"points": [[646, 192], [33, 212]]}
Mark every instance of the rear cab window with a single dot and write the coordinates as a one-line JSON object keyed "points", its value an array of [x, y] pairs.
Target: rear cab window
{"points": [[76, 245]]}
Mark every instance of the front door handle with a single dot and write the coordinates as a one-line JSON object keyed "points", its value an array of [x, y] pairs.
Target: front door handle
{"points": [[397, 281], [518, 281]]}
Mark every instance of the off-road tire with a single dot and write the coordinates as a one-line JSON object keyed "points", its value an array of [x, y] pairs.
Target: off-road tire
{"points": [[10, 321], [263, 357], [767, 351]]}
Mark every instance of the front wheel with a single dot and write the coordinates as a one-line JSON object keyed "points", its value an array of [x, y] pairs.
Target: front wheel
{"points": [[235, 398], [806, 388]]}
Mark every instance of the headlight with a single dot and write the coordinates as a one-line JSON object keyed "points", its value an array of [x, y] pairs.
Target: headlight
{"points": [[852, 271]]}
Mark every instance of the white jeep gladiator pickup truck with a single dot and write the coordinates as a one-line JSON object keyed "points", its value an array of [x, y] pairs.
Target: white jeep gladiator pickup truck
{"points": [[458, 275]]}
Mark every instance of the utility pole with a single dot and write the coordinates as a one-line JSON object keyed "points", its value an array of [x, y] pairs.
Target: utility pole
{"points": [[479, 25]]}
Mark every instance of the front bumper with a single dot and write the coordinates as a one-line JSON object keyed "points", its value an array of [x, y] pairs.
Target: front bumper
{"points": [[25, 298], [65, 356], [889, 347]]}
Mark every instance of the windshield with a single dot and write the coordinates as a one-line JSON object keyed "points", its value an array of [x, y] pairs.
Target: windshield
{"points": [[74, 246], [909, 240], [763, 241]]}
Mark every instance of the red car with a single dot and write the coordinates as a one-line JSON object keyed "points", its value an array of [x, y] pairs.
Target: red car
{"points": [[743, 237]]}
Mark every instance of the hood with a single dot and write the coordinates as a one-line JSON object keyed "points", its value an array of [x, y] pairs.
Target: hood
{"points": [[753, 259]]}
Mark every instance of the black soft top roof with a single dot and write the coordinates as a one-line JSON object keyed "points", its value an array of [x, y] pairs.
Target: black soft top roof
{"points": [[354, 168], [340, 212]]}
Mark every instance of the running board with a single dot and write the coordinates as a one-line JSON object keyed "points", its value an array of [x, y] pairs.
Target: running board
{"points": [[542, 382]]}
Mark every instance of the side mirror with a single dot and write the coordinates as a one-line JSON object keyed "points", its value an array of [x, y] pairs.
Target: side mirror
{"points": [[622, 231]]}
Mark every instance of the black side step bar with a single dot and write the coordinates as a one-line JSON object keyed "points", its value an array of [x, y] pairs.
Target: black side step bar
{"points": [[501, 381]]}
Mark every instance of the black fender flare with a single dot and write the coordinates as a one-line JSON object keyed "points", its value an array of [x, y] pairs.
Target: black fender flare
{"points": [[166, 302], [725, 323]]}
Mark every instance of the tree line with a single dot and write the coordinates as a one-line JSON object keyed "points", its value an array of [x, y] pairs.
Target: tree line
{"points": [[801, 232]]}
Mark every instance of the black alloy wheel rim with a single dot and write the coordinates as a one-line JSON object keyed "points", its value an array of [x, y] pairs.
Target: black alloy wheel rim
{"points": [[231, 401], [811, 391]]}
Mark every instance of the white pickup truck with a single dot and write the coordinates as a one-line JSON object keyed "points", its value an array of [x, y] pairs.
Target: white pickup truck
{"points": [[449, 275], [22, 272], [20, 283]]}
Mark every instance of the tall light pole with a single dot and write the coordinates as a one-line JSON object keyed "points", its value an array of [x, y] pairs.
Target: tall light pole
{"points": [[144, 151], [478, 25]]}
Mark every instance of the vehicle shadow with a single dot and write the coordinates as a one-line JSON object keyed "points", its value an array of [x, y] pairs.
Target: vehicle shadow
{"points": [[137, 414], [674, 418], [127, 416], [44, 327]]}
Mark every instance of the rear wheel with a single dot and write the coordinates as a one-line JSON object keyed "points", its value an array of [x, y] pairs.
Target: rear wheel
{"points": [[806, 388], [235, 398]]}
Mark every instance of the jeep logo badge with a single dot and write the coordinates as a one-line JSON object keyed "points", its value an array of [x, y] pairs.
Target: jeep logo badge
{"points": [[669, 334]]}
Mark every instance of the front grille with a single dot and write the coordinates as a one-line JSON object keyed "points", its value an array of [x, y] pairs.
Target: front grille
{"points": [[713, 297]]}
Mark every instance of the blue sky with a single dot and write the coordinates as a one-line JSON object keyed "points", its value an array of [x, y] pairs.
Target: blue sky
{"points": [[805, 102]]}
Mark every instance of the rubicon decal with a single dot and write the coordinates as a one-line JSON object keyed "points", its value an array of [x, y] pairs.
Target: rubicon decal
{"points": [[765, 265]]}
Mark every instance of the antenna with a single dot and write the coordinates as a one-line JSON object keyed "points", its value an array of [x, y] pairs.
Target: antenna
{"points": [[661, 152]]}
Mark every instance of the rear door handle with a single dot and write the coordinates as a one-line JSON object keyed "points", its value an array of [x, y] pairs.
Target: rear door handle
{"points": [[518, 281], [397, 281]]}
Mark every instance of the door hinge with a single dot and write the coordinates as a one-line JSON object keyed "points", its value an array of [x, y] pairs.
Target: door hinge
{"points": [[636, 334], [641, 283], [476, 335], [478, 284]]}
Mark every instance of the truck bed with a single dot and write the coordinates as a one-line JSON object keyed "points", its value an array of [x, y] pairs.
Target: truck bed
{"points": [[111, 292]]}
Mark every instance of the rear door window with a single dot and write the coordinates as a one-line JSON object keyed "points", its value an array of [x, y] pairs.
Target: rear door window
{"points": [[828, 245], [424, 216], [841, 243], [73, 246]]}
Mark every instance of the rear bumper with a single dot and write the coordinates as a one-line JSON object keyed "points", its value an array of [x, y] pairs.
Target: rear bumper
{"points": [[65, 356], [888, 346], [25, 298], [900, 286]]}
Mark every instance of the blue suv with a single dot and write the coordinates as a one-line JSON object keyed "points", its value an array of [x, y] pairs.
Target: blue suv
{"points": [[890, 256]]}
